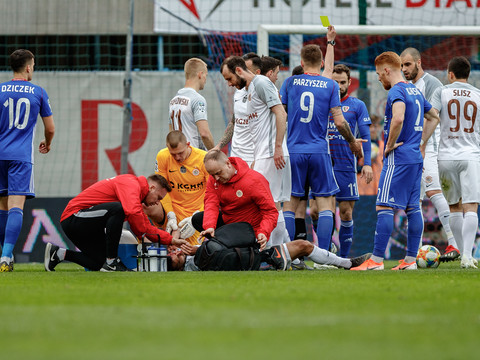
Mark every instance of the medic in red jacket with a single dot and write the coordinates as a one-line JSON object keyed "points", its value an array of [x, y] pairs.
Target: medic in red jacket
{"points": [[245, 196], [131, 191]]}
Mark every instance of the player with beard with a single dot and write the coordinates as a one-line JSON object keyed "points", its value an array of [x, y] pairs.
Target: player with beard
{"points": [[267, 122], [427, 84], [238, 129], [344, 162]]}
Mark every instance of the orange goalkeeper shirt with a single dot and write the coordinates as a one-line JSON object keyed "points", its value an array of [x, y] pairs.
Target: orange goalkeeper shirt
{"points": [[188, 180]]}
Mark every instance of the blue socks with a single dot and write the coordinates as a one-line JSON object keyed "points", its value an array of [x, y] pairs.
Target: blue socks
{"points": [[289, 217], [345, 237], [12, 231], [383, 231], [324, 229], [3, 224], [415, 230]]}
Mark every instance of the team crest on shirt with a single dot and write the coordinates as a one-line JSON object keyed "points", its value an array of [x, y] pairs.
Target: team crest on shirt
{"points": [[239, 193], [183, 170], [428, 179], [244, 100], [195, 172], [345, 108]]}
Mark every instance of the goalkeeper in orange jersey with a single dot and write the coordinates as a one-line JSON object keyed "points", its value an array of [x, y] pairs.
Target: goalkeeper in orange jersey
{"points": [[182, 165]]}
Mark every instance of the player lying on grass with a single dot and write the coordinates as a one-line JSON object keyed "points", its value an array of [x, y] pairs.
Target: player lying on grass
{"points": [[243, 195], [234, 247]]}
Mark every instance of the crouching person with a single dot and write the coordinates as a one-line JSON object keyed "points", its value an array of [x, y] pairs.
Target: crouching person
{"points": [[93, 221]]}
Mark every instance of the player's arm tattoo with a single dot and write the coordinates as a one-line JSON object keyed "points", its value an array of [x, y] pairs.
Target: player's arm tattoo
{"points": [[227, 135], [342, 124]]}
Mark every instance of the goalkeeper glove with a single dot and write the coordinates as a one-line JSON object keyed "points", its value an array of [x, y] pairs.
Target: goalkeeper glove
{"points": [[171, 222], [186, 227]]}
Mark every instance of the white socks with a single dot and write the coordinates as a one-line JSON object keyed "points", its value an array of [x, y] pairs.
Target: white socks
{"points": [[456, 224], [470, 225], [443, 210], [6, 259], [324, 257], [280, 233], [61, 253]]}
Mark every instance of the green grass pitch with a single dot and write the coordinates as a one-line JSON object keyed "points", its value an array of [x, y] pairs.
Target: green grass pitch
{"points": [[320, 314]]}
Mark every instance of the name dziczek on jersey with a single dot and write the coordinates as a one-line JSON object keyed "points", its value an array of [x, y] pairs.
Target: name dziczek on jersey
{"points": [[18, 88]]}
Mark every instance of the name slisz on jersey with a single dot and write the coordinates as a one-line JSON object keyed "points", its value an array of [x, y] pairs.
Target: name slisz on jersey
{"points": [[18, 88], [457, 92], [310, 82]]}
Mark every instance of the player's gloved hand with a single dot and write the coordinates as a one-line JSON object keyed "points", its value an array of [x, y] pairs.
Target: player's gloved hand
{"points": [[186, 227], [171, 222]]}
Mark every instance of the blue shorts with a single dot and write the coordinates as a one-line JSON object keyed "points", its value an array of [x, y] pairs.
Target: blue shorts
{"points": [[313, 169], [347, 182], [16, 178], [399, 186]]}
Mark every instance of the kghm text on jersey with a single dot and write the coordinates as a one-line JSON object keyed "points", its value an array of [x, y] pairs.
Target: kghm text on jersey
{"points": [[18, 88], [190, 186], [310, 82]]}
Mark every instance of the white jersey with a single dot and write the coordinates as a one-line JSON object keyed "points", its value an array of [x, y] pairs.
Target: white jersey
{"points": [[186, 108], [427, 84], [458, 104], [242, 140], [263, 95]]}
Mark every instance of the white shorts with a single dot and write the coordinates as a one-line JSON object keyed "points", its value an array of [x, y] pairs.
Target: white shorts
{"points": [[460, 180], [430, 177], [280, 180]]}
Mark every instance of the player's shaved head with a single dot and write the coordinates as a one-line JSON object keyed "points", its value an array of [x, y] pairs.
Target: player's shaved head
{"points": [[175, 138], [311, 55], [414, 53], [390, 59], [215, 155], [193, 66]]}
